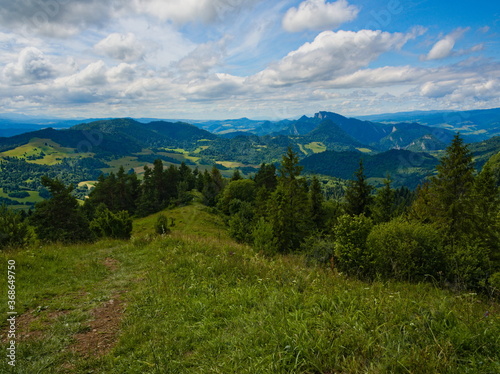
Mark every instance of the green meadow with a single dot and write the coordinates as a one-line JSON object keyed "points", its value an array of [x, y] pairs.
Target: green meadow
{"points": [[197, 302]]}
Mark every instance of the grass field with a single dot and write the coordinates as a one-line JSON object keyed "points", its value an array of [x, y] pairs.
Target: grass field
{"points": [[54, 153], [316, 147], [196, 302]]}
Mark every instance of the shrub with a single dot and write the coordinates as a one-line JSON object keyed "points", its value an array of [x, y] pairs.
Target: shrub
{"points": [[263, 238], [494, 282], [112, 225], [319, 250], [161, 225], [19, 194], [405, 250], [240, 223], [14, 232], [468, 264], [351, 253]]}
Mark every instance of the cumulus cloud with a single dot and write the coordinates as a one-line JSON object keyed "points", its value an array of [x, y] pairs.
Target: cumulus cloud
{"points": [[473, 88], [95, 74], [318, 15], [331, 55], [444, 47], [438, 89], [124, 47], [122, 73], [31, 66]]}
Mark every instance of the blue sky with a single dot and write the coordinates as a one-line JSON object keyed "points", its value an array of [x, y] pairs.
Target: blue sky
{"points": [[209, 59]]}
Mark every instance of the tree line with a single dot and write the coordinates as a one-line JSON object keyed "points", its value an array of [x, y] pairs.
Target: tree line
{"points": [[448, 231]]}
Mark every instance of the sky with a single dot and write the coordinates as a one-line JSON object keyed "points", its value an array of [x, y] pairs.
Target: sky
{"points": [[220, 59]]}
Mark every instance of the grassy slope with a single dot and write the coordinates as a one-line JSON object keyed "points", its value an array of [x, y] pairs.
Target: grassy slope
{"points": [[196, 302]]}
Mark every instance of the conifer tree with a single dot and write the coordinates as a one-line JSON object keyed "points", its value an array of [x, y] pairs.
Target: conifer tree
{"points": [[236, 175], [383, 207], [212, 186], [358, 195], [289, 206], [316, 201], [266, 176], [486, 204], [147, 201], [60, 218], [447, 200]]}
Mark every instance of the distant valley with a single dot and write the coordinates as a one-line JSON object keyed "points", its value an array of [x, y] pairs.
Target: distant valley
{"points": [[327, 143]]}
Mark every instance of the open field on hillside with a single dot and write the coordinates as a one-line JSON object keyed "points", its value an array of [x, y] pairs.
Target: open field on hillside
{"points": [[53, 153]]}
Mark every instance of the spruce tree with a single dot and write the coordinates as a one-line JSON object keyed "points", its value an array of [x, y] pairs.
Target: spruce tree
{"points": [[60, 218], [266, 176], [358, 195], [236, 175], [289, 206], [147, 201], [383, 207], [316, 201], [486, 204], [447, 200]]}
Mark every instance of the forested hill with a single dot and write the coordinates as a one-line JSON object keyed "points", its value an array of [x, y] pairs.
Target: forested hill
{"points": [[406, 168], [114, 137]]}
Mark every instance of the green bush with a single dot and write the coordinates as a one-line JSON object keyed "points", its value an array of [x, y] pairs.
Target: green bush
{"points": [[468, 264], [351, 253], [263, 237], [240, 223], [318, 250], [112, 225], [161, 225], [242, 189], [494, 282], [405, 250], [14, 232]]}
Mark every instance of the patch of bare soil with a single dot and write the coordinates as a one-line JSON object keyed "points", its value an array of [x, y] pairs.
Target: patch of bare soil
{"points": [[31, 325], [103, 328], [111, 263]]}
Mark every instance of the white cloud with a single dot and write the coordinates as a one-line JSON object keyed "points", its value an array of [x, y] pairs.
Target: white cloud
{"points": [[122, 73], [379, 77], [191, 10], [318, 15], [95, 74], [331, 55], [444, 47], [438, 89], [31, 66], [124, 47], [202, 59], [61, 18]]}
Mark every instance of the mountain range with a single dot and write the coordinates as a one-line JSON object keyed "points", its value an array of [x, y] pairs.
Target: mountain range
{"points": [[327, 143]]}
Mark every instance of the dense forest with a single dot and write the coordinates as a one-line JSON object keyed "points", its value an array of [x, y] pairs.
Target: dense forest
{"points": [[448, 231]]}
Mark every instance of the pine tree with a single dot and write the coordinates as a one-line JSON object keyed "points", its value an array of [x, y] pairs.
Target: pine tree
{"points": [[236, 175], [147, 200], [266, 176], [486, 203], [447, 200], [212, 186], [289, 206], [60, 218], [316, 201], [358, 195], [383, 207]]}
